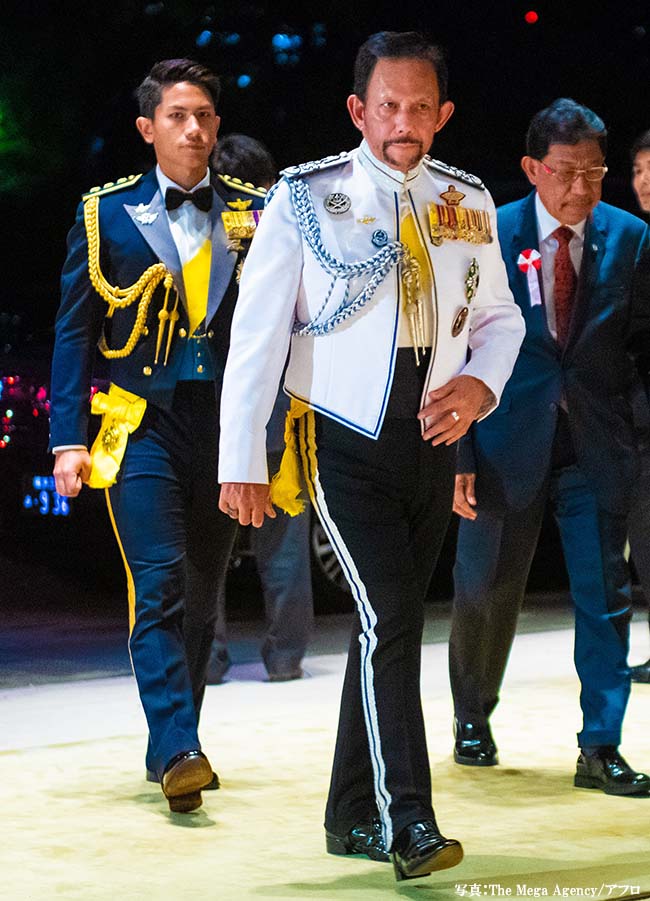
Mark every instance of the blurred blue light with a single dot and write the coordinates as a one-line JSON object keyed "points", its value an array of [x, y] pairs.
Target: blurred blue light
{"points": [[204, 38], [282, 58], [243, 81], [231, 39], [295, 41], [97, 145], [281, 41]]}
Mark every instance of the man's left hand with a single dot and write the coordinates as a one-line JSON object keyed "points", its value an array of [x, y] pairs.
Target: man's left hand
{"points": [[248, 502], [452, 409]]}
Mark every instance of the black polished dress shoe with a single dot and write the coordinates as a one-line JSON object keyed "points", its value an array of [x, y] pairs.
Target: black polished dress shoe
{"points": [[185, 776], [211, 786], [474, 745], [604, 768], [364, 838], [640, 673], [420, 849]]}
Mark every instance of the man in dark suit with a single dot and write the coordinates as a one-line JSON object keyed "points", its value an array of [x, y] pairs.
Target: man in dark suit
{"points": [[151, 279], [563, 432]]}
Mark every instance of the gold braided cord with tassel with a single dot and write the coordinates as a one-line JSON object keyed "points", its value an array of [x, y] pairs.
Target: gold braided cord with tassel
{"points": [[121, 413], [414, 303], [286, 484], [119, 298]]}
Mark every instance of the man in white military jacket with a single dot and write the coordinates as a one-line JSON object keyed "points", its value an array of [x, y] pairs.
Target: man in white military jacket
{"points": [[381, 270]]}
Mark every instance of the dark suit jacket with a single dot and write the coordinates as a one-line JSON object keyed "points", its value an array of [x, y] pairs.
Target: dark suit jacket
{"points": [[510, 450], [128, 247]]}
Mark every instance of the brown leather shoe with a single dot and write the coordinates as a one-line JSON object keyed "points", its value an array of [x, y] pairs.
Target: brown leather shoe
{"points": [[604, 768], [213, 785], [419, 849], [363, 839], [184, 777]]}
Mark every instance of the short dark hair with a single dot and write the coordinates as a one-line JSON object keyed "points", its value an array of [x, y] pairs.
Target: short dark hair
{"points": [[641, 143], [398, 45], [244, 157], [173, 71], [564, 122]]}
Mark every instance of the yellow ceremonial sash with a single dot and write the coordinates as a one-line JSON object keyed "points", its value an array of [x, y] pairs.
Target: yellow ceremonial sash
{"points": [[121, 413], [286, 484]]}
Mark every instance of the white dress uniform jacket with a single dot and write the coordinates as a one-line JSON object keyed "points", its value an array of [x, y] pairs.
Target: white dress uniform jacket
{"points": [[347, 374]]}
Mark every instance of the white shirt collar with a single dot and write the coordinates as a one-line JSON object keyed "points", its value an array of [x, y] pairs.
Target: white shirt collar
{"points": [[164, 182], [546, 224], [383, 175]]}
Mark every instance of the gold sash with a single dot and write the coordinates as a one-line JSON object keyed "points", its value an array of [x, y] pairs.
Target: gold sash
{"points": [[286, 484], [121, 414]]}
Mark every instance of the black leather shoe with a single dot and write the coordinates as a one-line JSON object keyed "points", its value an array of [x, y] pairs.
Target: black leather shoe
{"points": [[420, 849], [474, 745], [184, 777], [364, 838], [640, 673], [211, 786], [604, 768]]}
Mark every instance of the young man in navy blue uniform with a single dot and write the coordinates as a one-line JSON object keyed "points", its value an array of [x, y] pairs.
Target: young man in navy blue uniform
{"points": [[151, 279]]}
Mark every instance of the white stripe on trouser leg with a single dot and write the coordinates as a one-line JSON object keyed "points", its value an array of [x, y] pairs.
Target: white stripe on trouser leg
{"points": [[367, 638]]}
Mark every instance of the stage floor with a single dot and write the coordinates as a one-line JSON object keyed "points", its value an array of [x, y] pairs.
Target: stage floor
{"points": [[82, 823]]}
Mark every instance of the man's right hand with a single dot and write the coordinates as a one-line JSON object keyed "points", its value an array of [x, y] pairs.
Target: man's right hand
{"points": [[464, 495], [248, 502], [71, 470]]}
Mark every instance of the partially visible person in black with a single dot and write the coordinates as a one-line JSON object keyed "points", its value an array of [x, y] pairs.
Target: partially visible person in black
{"points": [[281, 546], [639, 519]]}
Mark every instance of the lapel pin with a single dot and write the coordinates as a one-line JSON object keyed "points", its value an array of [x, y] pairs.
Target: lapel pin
{"points": [[337, 203], [146, 218], [379, 237]]}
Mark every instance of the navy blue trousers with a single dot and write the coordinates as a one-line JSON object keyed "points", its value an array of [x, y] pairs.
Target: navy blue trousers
{"points": [[176, 545], [493, 559]]}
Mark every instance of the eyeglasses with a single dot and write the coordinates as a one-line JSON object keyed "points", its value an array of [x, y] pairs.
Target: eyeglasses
{"points": [[567, 176]]}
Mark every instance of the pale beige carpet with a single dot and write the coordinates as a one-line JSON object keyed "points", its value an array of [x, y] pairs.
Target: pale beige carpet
{"points": [[79, 821]]}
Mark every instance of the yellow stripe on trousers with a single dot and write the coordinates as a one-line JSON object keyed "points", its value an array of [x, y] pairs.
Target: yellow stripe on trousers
{"points": [[129, 577]]}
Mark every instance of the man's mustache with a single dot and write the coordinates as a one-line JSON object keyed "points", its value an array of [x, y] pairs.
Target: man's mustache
{"points": [[402, 141]]}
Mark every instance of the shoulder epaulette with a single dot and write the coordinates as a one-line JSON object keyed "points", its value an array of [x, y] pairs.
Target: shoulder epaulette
{"points": [[111, 186], [452, 171], [246, 187], [316, 165]]}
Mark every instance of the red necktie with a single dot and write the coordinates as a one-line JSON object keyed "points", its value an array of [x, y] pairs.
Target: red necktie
{"points": [[565, 283]]}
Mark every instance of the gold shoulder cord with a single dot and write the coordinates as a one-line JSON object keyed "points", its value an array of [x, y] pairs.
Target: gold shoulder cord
{"points": [[120, 298]]}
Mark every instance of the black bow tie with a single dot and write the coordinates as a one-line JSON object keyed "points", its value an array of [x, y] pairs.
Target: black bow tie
{"points": [[201, 198]]}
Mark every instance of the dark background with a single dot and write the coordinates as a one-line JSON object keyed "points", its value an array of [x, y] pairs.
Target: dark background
{"points": [[68, 71]]}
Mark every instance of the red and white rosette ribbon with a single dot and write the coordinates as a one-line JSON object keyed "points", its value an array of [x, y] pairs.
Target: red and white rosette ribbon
{"points": [[530, 263]]}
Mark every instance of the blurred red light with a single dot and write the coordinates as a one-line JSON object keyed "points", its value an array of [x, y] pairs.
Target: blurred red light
{"points": [[531, 17], [3, 444], [34, 412], [11, 380]]}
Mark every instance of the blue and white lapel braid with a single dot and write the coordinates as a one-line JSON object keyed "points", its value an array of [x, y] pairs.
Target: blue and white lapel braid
{"points": [[378, 265]]}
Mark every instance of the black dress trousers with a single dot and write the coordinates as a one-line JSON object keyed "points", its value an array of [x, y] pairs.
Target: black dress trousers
{"points": [[385, 505]]}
